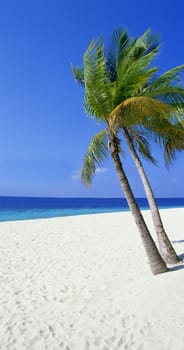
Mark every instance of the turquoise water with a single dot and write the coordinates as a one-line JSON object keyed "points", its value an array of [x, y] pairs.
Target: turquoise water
{"points": [[23, 208]]}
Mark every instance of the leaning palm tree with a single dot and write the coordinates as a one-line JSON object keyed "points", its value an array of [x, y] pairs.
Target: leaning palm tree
{"points": [[165, 246], [126, 74], [167, 89], [101, 102]]}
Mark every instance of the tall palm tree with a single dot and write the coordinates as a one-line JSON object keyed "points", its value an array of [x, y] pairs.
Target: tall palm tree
{"points": [[100, 103], [121, 75], [166, 249], [167, 89]]}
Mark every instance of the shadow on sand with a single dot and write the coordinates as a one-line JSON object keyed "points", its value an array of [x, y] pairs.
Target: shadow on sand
{"points": [[181, 257], [180, 266], [176, 267]]}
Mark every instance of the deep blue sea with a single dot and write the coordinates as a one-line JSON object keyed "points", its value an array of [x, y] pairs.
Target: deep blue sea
{"points": [[23, 208]]}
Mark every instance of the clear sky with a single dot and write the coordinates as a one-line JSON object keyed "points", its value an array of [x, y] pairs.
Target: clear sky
{"points": [[43, 129]]}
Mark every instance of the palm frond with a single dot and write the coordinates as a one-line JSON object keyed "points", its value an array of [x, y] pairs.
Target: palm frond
{"points": [[140, 110], [172, 95], [169, 152], [97, 89], [134, 73], [172, 75], [96, 154], [167, 135], [133, 81], [173, 143], [116, 53], [78, 73], [146, 45], [170, 78], [141, 143], [152, 42]]}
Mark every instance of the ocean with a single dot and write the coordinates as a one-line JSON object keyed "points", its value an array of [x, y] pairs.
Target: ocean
{"points": [[24, 208]]}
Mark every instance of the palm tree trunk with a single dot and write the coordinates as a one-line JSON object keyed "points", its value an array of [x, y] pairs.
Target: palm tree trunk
{"points": [[166, 249], [157, 264]]}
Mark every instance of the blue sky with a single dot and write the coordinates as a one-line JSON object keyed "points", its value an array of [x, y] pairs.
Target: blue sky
{"points": [[44, 132]]}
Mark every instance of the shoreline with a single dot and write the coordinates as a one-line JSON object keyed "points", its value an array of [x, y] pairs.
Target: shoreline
{"points": [[83, 282], [25, 208], [92, 213]]}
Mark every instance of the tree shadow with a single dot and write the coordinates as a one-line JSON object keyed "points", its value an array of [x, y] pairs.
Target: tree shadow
{"points": [[180, 265], [176, 267], [181, 257]]}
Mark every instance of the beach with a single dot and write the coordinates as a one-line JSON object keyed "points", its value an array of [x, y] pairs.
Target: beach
{"points": [[84, 282]]}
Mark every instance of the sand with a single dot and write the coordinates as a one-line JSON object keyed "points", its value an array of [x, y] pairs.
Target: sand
{"points": [[84, 282]]}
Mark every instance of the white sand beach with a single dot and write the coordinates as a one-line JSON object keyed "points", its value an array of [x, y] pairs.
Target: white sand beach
{"points": [[79, 283]]}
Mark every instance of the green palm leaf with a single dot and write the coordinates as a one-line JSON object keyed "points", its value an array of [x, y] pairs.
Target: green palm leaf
{"points": [[141, 143], [116, 52], [169, 136], [167, 88], [172, 139], [133, 72], [96, 154], [145, 46], [97, 91], [78, 73]]}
